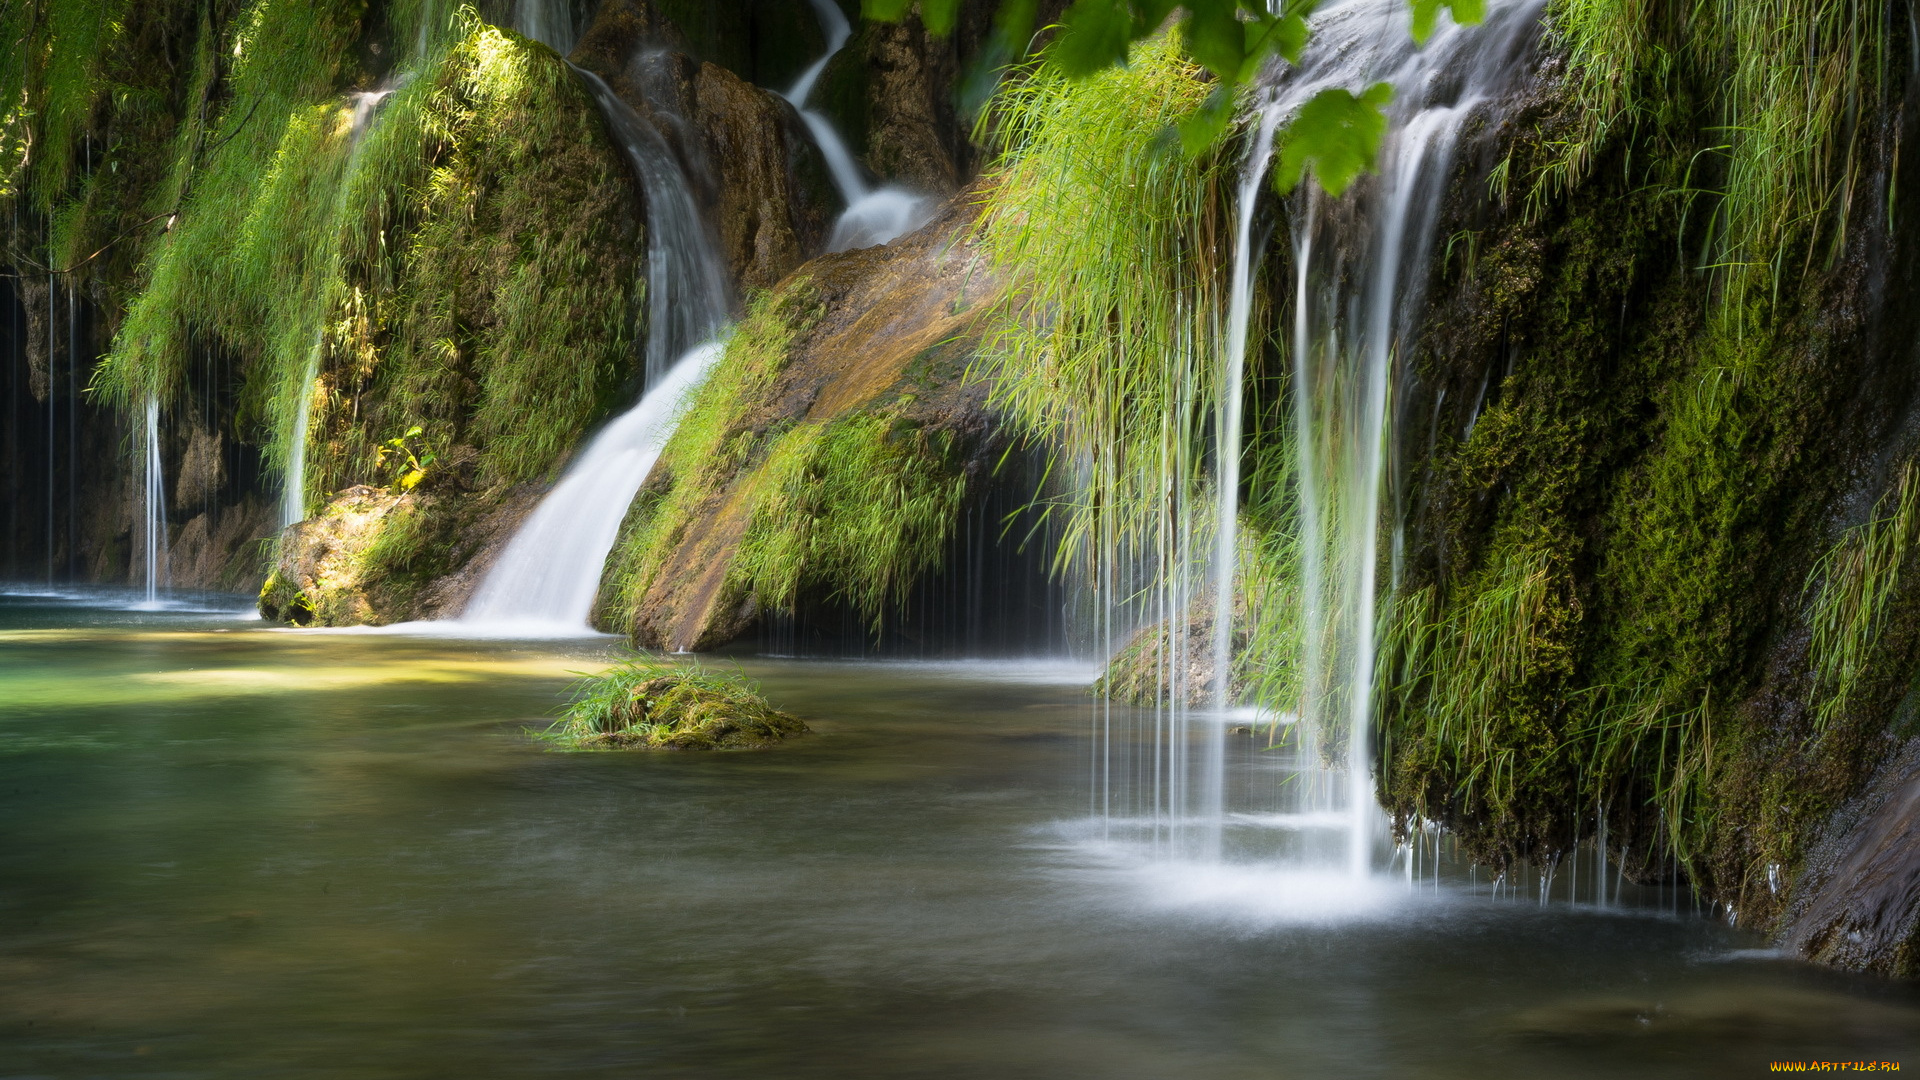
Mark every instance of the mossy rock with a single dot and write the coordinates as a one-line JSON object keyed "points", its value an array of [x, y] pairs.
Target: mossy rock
{"points": [[648, 705]]}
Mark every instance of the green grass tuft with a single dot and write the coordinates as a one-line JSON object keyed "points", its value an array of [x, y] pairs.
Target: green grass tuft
{"points": [[644, 703]]}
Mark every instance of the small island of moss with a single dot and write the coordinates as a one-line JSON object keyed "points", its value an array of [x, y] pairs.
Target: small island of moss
{"points": [[648, 704]]}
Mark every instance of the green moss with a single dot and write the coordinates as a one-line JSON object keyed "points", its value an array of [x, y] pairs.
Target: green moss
{"points": [[856, 506], [468, 264], [1783, 92], [643, 703]]}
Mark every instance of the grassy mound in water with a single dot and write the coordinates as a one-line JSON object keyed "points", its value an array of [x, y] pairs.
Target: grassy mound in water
{"points": [[647, 704]]}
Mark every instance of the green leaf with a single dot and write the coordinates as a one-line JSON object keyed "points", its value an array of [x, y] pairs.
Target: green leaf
{"points": [[1094, 34], [1337, 134], [1427, 12], [1201, 129], [1215, 38], [936, 15]]}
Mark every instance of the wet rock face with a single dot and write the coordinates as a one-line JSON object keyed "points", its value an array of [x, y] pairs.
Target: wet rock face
{"points": [[1857, 904], [913, 134], [767, 42], [883, 330], [759, 176], [754, 168]]}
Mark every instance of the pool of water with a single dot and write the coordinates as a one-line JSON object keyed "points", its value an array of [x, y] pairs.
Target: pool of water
{"points": [[232, 850]]}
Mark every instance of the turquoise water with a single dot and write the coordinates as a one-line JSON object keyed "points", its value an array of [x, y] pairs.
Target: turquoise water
{"points": [[236, 851]]}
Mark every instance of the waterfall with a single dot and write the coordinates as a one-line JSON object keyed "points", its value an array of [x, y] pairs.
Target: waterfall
{"points": [[549, 22], [686, 282], [293, 494], [873, 215], [1180, 782], [154, 506], [1358, 295], [546, 579], [548, 576]]}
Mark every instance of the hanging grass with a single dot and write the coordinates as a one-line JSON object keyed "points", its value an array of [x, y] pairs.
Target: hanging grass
{"points": [[1111, 240], [466, 263], [644, 703], [1778, 147], [1853, 587]]}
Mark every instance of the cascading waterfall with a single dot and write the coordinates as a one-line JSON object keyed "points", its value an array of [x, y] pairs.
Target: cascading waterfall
{"points": [[1359, 292], [546, 579], [154, 506], [1359, 286], [873, 215], [293, 495], [686, 280]]}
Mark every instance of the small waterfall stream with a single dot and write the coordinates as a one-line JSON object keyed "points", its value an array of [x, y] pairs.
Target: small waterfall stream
{"points": [[153, 526], [686, 281], [548, 576], [293, 495], [1359, 264], [873, 215]]}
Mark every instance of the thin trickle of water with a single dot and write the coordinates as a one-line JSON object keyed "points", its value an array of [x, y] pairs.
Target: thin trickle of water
{"points": [[873, 215], [293, 495], [549, 22], [154, 506], [686, 281], [547, 578], [293, 492]]}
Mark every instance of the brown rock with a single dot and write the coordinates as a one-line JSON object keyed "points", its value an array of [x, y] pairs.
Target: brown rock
{"points": [[1857, 904], [911, 127], [895, 321], [755, 170]]}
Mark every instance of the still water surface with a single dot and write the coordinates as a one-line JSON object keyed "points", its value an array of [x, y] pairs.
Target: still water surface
{"points": [[236, 851]]}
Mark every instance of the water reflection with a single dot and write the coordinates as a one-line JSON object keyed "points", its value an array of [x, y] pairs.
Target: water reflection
{"points": [[237, 852]]}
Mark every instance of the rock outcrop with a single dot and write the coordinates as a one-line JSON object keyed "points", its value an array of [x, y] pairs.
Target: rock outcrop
{"points": [[754, 167], [1857, 903], [879, 338]]}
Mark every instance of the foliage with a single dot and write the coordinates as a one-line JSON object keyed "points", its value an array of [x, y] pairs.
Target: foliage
{"points": [[856, 506], [656, 704], [862, 504], [1337, 133], [408, 457], [1858, 579], [1232, 40], [455, 256], [1105, 349], [1791, 86]]}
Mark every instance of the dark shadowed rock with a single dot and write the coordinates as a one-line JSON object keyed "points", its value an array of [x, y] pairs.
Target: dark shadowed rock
{"points": [[755, 170], [1857, 904]]}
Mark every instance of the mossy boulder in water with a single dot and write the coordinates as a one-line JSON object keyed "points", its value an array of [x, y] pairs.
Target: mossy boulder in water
{"points": [[644, 704]]}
